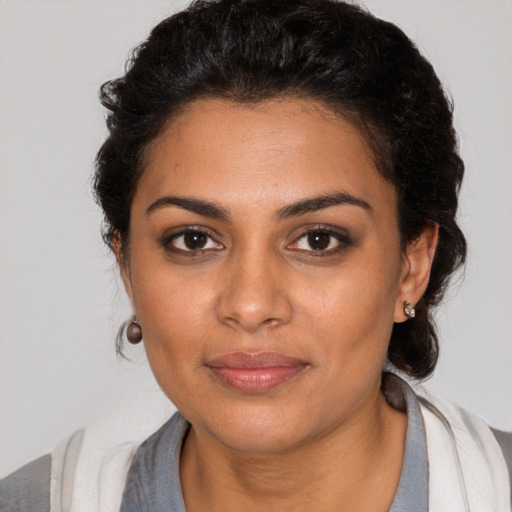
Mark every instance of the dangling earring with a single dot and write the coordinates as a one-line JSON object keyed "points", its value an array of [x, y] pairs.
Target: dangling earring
{"points": [[133, 331], [409, 310]]}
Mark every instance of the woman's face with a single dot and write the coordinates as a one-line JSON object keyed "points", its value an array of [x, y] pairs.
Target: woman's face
{"points": [[265, 270]]}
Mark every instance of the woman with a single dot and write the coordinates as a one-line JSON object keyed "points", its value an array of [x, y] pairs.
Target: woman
{"points": [[280, 187]]}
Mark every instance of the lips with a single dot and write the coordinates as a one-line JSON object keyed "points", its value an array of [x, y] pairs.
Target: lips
{"points": [[255, 372]]}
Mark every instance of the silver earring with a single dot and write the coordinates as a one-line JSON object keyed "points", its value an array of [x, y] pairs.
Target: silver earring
{"points": [[409, 310], [134, 331]]}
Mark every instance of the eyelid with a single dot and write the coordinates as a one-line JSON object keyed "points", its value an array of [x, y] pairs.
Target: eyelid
{"points": [[183, 230], [338, 233]]}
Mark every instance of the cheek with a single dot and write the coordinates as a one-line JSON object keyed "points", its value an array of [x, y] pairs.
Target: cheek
{"points": [[175, 313], [360, 293], [351, 314], [164, 292]]}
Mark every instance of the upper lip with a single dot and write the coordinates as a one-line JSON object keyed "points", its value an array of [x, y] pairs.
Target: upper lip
{"points": [[254, 360]]}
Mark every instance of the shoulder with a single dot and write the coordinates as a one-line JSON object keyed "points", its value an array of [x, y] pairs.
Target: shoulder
{"points": [[464, 441], [153, 481], [505, 441], [28, 488], [89, 467], [43, 482], [109, 445]]}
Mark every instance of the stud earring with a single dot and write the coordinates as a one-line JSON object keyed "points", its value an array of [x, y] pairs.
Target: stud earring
{"points": [[409, 310], [133, 331]]}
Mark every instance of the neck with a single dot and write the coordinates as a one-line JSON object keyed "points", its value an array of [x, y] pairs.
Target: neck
{"points": [[355, 467]]}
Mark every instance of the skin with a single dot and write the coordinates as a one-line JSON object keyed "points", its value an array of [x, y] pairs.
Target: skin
{"points": [[326, 439]]}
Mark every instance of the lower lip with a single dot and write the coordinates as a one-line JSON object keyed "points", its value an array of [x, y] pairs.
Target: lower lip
{"points": [[256, 380]]}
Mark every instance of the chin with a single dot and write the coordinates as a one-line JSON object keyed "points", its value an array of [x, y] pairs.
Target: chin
{"points": [[258, 430], [257, 441]]}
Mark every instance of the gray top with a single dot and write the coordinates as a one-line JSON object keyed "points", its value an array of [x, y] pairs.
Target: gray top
{"points": [[28, 489], [153, 482]]}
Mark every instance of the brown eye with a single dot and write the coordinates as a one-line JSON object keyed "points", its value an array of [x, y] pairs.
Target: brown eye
{"points": [[323, 241], [195, 240], [319, 240], [191, 241]]}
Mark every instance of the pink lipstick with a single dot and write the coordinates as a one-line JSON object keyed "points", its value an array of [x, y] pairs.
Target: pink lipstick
{"points": [[255, 372]]}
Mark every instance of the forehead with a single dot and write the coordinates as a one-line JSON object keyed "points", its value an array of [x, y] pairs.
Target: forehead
{"points": [[269, 153]]}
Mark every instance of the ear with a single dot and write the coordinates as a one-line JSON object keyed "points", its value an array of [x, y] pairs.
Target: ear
{"points": [[124, 267], [416, 266]]}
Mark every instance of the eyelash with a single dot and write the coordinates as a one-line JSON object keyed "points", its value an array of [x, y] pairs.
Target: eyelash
{"points": [[341, 237], [168, 241]]}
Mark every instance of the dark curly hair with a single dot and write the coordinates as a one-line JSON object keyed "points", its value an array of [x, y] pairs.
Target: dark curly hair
{"points": [[333, 52]]}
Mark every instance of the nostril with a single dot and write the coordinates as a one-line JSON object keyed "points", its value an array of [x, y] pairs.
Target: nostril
{"points": [[270, 322], [250, 324]]}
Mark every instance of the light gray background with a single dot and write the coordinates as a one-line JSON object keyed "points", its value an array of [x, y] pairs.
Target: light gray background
{"points": [[60, 299]]}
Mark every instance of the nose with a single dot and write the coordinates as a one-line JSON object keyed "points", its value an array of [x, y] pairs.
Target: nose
{"points": [[254, 294]]}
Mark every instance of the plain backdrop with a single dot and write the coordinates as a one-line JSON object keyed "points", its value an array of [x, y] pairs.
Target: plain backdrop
{"points": [[60, 297]]}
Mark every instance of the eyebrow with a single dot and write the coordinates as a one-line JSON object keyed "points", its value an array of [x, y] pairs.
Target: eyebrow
{"points": [[321, 202], [214, 211], [199, 206]]}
